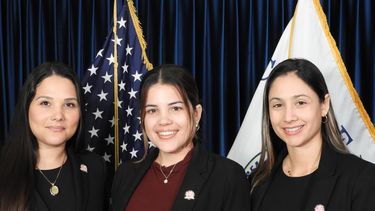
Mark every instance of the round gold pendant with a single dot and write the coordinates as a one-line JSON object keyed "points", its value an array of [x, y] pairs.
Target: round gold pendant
{"points": [[54, 190]]}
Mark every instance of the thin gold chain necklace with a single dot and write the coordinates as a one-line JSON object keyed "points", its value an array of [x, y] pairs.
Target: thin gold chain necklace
{"points": [[289, 167], [167, 176], [54, 189]]}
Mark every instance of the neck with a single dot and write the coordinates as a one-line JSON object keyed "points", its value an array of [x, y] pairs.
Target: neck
{"points": [[168, 159], [302, 161], [51, 158]]}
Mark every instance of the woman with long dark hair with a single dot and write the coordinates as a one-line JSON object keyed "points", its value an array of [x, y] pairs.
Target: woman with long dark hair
{"points": [[304, 164], [42, 163], [180, 174]]}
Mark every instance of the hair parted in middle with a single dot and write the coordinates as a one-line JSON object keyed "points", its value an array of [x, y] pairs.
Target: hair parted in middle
{"points": [[272, 145], [180, 78]]}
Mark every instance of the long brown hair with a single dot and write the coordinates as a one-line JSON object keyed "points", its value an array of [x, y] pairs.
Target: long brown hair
{"points": [[272, 145]]}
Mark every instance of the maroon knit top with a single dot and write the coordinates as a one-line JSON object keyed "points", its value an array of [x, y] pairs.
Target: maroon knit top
{"points": [[152, 193]]}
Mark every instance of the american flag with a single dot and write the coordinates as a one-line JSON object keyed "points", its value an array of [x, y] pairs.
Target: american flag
{"points": [[98, 86]]}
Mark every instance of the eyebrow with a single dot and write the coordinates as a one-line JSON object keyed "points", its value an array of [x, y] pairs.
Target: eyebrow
{"points": [[169, 104], [294, 97], [51, 98]]}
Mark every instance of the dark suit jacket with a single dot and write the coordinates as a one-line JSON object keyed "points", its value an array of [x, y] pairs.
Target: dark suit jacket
{"points": [[218, 183], [343, 182], [89, 186]]}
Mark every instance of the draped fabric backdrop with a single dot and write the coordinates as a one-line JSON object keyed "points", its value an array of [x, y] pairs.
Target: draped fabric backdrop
{"points": [[226, 43]]}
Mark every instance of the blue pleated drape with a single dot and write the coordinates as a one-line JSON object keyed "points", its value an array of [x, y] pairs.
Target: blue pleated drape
{"points": [[226, 43]]}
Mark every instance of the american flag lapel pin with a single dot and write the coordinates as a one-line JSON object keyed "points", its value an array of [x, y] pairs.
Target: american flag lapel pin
{"points": [[83, 168]]}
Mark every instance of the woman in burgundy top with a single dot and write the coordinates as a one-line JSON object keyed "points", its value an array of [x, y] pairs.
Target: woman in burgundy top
{"points": [[180, 174]]}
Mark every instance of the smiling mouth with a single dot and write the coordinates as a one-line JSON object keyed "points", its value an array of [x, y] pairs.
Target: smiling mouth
{"points": [[292, 130], [166, 134]]}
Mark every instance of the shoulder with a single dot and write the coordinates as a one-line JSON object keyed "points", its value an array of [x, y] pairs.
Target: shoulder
{"points": [[355, 171], [216, 164], [226, 171], [353, 165], [91, 158], [91, 163], [356, 176], [226, 164]]}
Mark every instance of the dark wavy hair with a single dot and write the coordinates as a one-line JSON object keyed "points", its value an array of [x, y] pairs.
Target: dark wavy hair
{"points": [[272, 145], [178, 77], [19, 154]]}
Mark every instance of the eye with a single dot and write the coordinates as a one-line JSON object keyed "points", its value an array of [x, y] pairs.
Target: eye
{"points": [[71, 105], [176, 108], [150, 110], [277, 105], [301, 103], [44, 103]]}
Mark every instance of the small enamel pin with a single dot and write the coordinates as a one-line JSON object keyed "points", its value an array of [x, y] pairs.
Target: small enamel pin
{"points": [[319, 207], [189, 195], [83, 168]]}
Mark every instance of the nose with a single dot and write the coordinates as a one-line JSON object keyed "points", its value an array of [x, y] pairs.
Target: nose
{"points": [[164, 118], [289, 114], [58, 114]]}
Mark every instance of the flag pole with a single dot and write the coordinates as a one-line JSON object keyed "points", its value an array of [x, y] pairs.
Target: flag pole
{"points": [[115, 88]]}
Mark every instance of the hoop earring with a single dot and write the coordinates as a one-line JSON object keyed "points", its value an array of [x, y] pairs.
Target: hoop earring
{"points": [[324, 119]]}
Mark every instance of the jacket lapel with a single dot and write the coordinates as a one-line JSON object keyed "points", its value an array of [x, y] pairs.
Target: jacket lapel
{"points": [[261, 190], [80, 181], [259, 193], [324, 180], [196, 176], [322, 185], [138, 174]]}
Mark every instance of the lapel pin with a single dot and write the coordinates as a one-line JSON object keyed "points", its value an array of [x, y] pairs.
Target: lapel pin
{"points": [[189, 195], [83, 168], [319, 207]]}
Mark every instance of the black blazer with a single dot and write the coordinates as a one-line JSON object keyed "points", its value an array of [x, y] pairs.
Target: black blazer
{"points": [[218, 183], [343, 182], [89, 185]]}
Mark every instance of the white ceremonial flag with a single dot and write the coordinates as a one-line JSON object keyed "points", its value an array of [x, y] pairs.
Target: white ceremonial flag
{"points": [[307, 36]]}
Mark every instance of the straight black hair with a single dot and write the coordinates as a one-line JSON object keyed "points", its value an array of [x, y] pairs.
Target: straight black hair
{"points": [[19, 154]]}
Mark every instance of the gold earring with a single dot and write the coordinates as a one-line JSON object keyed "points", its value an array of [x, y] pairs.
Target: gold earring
{"points": [[324, 119]]}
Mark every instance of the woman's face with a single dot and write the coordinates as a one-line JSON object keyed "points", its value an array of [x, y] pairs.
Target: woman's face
{"points": [[295, 111], [54, 112], [167, 121]]}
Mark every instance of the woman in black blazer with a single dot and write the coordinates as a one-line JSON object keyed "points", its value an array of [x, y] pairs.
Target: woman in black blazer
{"points": [[43, 166], [180, 174], [304, 163]]}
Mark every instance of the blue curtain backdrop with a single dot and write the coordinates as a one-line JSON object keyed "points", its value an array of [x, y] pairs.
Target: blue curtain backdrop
{"points": [[226, 43]]}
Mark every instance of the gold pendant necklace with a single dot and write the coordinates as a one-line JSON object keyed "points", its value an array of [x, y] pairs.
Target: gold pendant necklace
{"points": [[54, 190], [166, 176]]}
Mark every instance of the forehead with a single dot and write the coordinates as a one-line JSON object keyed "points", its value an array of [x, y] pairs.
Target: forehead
{"points": [[163, 93], [56, 85], [289, 85]]}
